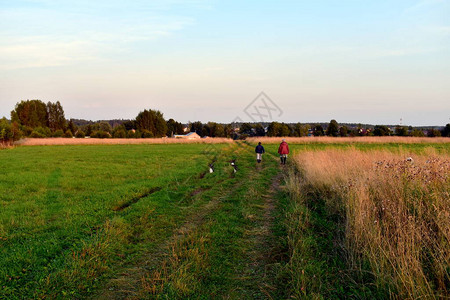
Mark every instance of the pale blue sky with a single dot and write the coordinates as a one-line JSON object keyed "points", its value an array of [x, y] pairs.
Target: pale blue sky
{"points": [[354, 61]]}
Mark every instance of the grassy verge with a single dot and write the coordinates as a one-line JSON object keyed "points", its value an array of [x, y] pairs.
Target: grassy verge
{"points": [[369, 224]]}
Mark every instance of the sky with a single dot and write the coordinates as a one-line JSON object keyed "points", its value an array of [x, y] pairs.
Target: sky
{"points": [[357, 61]]}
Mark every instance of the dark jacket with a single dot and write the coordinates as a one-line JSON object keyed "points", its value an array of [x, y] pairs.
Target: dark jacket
{"points": [[284, 148], [259, 149]]}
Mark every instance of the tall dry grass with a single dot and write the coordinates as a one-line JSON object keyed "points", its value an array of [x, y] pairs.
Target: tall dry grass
{"points": [[347, 140], [95, 141], [397, 214]]}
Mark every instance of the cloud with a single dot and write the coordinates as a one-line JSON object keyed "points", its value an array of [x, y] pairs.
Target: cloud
{"points": [[57, 33], [35, 52]]}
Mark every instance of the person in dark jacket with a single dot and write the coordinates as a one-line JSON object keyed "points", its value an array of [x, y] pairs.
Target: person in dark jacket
{"points": [[283, 150], [259, 152]]}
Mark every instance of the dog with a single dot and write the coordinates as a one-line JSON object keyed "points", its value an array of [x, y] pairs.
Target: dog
{"points": [[410, 160], [233, 164]]}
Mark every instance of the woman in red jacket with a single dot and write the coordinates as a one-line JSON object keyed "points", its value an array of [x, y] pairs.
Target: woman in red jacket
{"points": [[283, 150]]}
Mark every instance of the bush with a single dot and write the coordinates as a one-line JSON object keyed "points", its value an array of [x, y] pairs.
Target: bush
{"points": [[43, 131], [80, 134], [100, 134], [36, 134], [68, 134], [131, 134], [147, 134], [120, 134], [27, 130], [6, 132], [58, 133]]}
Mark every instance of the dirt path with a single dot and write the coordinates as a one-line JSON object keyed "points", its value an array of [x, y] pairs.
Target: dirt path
{"points": [[128, 283], [255, 272], [262, 254]]}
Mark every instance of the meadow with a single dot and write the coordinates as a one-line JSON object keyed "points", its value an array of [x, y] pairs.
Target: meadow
{"points": [[149, 221], [370, 223]]}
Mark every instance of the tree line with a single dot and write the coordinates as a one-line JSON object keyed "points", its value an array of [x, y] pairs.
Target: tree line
{"points": [[36, 119]]}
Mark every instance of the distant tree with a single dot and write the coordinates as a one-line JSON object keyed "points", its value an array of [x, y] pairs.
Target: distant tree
{"points": [[103, 126], [219, 130], [71, 126], [401, 131], [133, 134], [6, 132], [206, 130], [80, 134], [174, 127], [417, 133], [284, 130], [259, 130], [153, 122], [333, 128], [381, 130], [32, 113], [120, 133], [229, 131], [99, 134], [41, 132], [213, 129], [343, 131], [318, 130], [446, 131], [129, 125], [433, 133], [58, 133], [300, 130], [55, 115], [88, 130], [197, 127], [68, 134], [274, 129], [146, 134], [246, 128]]}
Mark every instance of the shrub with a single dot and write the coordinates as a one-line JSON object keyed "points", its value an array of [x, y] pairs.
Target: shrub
{"points": [[131, 134], [6, 132], [58, 133], [120, 134], [27, 130], [80, 134], [36, 134], [68, 134], [147, 134], [43, 131], [100, 134]]}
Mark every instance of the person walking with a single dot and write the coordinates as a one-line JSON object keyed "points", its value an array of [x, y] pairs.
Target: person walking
{"points": [[283, 150], [259, 152]]}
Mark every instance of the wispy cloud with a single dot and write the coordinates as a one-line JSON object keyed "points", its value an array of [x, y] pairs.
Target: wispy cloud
{"points": [[56, 33]]}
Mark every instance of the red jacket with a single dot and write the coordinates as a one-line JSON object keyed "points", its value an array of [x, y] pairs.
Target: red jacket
{"points": [[284, 148]]}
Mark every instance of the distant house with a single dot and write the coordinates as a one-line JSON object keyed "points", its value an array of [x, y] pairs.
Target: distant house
{"points": [[189, 136]]}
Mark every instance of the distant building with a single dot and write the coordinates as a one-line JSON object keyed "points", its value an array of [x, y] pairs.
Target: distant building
{"points": [[189, 136]]}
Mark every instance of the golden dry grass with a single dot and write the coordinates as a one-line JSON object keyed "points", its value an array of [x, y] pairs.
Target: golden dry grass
{"points": [[397, 213], [349, 140], [93, 141]]}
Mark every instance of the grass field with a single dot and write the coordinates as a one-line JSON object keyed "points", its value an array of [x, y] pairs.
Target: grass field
{"points": [[150, 221]]}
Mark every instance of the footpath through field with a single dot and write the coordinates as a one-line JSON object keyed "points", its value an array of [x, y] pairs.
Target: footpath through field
{"points": [[225, 246]]}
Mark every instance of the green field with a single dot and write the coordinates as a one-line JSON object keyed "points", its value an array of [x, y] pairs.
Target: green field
{"points": [[148, 221]]}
